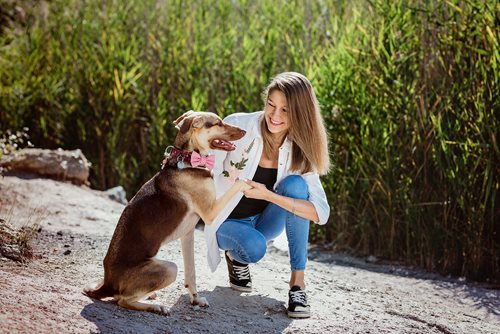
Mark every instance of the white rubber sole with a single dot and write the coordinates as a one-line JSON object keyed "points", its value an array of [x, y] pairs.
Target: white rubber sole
{"points": [[299, 315], [240, 288]]}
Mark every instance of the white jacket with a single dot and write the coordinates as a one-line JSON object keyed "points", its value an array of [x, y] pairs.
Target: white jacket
{"points": [[242, 163]]}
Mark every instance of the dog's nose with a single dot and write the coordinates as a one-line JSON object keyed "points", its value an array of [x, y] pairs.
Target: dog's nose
{"points": [[243, 132]]}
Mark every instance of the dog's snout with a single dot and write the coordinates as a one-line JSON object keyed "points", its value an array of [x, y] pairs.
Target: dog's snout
{"points": [[243, 132]]}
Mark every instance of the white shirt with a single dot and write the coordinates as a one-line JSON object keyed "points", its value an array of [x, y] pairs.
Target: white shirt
{"points": [[242, 163]]}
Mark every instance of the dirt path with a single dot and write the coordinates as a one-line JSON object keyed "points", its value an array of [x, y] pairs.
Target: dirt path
{"points": [[347, 295]]}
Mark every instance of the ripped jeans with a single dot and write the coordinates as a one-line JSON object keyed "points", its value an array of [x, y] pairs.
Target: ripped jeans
{"points": [[247, 238]]}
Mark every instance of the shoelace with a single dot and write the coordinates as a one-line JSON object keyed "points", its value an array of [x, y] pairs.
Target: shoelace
{"points": [[298, 297], [241, 272]]}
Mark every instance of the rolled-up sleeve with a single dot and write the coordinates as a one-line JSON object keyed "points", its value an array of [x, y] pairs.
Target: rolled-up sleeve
{"points": [[317, 197]]}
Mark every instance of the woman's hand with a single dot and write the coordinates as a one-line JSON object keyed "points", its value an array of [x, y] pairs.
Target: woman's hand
{"points": [[258, 191], [299, 207]]}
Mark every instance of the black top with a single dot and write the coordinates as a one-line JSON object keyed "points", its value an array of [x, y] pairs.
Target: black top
{"points": [[249, 206]]}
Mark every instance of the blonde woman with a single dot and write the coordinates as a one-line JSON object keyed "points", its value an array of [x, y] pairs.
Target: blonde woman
{"points": [[282, 156]]}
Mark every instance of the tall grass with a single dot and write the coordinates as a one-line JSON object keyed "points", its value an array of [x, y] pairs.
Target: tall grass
{"points": [[409, 91], [110, 76], [414, 95]]}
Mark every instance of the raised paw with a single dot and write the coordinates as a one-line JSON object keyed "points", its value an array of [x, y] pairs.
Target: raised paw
{"points": [[243, 185]]}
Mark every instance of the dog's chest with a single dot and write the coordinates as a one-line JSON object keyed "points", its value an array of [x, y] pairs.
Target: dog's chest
{"points": [[187, 224]]}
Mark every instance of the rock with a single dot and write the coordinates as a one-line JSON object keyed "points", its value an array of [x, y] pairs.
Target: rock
{"points": [[57, 164], [117, 194]]}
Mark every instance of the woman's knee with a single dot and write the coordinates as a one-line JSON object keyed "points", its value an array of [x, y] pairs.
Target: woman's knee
{"points": [[253, 250], [294, 186]]}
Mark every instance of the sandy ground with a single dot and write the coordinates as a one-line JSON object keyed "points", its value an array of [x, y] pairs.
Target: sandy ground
{"points": [[347, 295]]}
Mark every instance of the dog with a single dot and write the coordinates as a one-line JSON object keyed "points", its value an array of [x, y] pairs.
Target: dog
{"points": [[166, 208]]}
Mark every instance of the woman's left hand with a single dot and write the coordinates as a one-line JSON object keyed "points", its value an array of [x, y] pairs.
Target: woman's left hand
{"points": [[258, 191]]}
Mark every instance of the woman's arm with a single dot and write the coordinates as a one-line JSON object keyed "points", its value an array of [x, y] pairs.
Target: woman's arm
{"points": [[300, 207]]}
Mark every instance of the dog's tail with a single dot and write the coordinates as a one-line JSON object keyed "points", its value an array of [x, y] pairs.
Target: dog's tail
{"points": [[98, 291]]}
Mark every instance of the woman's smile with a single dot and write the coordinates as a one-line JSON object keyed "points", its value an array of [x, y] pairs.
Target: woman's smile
{"points": [[276, 113], [276, 123]]}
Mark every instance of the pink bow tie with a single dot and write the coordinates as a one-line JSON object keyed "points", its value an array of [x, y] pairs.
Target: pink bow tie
{"points": [[198, 160]]}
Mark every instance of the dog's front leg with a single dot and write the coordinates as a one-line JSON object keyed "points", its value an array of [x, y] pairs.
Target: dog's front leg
{"points": [[187, 244], [221, 202]]}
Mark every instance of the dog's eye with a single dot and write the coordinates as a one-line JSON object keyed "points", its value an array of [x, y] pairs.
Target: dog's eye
{"points": [[209, 125]]}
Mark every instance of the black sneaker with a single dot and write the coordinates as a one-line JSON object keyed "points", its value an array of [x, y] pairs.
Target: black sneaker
{"points": [[297, 303], [239, 275]]}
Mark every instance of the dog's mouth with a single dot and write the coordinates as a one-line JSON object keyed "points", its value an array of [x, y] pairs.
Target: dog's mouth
{"points": [[222, 144]]}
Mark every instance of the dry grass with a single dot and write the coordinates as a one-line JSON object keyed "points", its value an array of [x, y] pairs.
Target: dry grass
{"points": [[15, 244]]}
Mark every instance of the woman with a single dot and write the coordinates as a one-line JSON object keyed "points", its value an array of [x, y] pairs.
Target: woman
{"points": [[282, 156]]}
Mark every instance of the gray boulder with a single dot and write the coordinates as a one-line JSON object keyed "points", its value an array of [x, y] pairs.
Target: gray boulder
{"points": [[117, 194], [57, 164]]}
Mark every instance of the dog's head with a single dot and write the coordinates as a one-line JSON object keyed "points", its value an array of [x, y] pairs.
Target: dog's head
{"points": [[203, 131]]}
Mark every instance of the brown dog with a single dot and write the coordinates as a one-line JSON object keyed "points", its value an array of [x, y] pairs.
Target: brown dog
{"points": [[167, 207]]}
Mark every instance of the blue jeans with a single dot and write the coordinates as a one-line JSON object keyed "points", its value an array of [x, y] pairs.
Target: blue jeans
{"points": [[247, 238]]}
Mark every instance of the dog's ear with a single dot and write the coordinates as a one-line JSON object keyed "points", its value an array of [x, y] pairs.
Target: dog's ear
{"points": [[183, 123], [187, 120], [181, 118], [198, 122]]}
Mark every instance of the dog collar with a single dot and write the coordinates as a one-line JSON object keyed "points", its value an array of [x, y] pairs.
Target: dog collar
{"points": [[175, 157]]}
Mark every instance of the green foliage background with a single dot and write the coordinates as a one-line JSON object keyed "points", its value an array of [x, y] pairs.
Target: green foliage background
{"points": [[409, 92]]}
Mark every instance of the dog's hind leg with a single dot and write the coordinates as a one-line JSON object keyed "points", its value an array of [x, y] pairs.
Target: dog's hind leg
{"points": [[152, 276], [132, 303], [187, 243], [152, 296], [99, 291]]}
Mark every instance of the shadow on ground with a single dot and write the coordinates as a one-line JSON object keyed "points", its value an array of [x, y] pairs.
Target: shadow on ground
{"points": [[229, 312]]}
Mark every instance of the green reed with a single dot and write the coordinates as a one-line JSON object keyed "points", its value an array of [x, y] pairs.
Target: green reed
{"points": [[409, 92], [413, 94]]}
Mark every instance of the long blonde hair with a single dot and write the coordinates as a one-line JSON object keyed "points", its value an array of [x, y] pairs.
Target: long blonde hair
{"points": [[306, 126]]}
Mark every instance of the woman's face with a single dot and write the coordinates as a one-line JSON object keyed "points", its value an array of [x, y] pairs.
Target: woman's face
{"points": [[275, 113]]}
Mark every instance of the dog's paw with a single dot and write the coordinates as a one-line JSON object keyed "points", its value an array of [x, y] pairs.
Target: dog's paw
{"points": [[200, 301], [242, 185], [160, 309]]}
